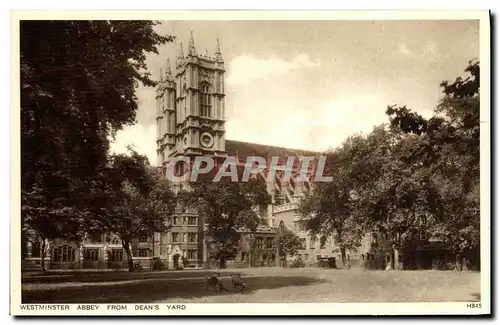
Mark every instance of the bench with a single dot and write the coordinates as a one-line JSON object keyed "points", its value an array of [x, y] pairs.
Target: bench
{"points": [[238, 281], [215, 283]]}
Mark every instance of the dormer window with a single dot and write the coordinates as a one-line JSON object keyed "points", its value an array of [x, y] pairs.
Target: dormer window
{"points": [[205, 101]]}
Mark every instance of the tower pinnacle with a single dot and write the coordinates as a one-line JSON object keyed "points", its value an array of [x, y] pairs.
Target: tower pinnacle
{"points": [[218, 54], [192, 49], [168, 73]]}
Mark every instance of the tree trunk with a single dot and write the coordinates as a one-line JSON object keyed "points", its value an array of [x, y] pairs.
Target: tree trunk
{"points": [[458, 262], [395, 251], [344, 257], [465, 264], [222, 262], [43, 256], [396, 258], [130, 261], [388, 261]]}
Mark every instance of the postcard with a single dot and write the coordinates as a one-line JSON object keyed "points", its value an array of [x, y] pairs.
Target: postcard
{"points": [[250, 163]]}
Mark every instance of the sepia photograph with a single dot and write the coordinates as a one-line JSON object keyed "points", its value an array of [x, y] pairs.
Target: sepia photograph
{"points": [[197, 163]]}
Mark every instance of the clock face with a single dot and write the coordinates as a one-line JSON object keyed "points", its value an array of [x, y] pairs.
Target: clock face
{"points": [[206, 140]]}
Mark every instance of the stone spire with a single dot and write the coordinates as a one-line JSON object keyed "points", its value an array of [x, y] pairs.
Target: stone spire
{"points": [[168, 73], [218, 54], [179, 56], [192, 49], [161, 74]]}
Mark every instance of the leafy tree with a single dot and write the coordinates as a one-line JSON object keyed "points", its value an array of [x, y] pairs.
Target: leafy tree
{"points": [[288, 244], [328, 209], [142, 203], [402, 196], [449, 151], [78, 82], [226, 207], [458, 168]]}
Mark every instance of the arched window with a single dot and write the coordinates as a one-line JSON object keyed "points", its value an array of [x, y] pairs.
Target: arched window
{"points": [[205, 101], [63, 254]]}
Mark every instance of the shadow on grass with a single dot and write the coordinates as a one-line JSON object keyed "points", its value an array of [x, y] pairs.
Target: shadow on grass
{"points": [[86, 277], [154, 288]]}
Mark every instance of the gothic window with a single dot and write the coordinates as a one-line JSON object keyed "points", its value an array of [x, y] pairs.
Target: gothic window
{"points": [[205, 100], [192, 254], [259, 243], [115, 255], [64, 253], [269, 243], [172, 123], [143, 252], [91, 254], [192, 237]]}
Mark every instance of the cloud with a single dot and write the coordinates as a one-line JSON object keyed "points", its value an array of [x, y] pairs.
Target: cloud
{"points": [[141, 137], [430, 49], [247, 68], [320, 128], [403, 49]]}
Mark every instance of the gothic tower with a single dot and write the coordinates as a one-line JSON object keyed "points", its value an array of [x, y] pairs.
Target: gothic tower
{"points": [[165, 116], [191, 106], [200, 103]]}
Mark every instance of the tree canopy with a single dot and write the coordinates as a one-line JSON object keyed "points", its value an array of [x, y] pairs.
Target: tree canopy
{"points": [[78, 87], [226, 208], [142, 203], [406, 177]]}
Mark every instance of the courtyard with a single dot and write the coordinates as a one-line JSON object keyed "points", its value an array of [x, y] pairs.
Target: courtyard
{"points": [[272, 285]]}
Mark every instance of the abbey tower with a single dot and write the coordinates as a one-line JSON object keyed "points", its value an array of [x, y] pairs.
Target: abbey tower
{"points": [[191, 106]]}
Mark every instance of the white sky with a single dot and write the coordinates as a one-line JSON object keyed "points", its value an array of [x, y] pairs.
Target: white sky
{"points": [[311, 84]]}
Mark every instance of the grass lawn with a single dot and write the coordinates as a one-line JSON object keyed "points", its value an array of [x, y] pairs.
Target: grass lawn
{"points": [[264, 285]]}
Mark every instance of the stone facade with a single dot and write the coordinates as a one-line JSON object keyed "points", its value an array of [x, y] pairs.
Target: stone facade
{"points": [[98, 252]]}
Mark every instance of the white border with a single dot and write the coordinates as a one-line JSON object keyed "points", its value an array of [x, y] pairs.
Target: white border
{"points": [[270, 309]]}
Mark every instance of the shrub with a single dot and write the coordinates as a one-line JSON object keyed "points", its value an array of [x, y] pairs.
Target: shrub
{"points": [[158, 264], [297, 263]]}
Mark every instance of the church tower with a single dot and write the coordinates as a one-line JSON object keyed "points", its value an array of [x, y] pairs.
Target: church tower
{"points": [[165, 116], [191, 106]]}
